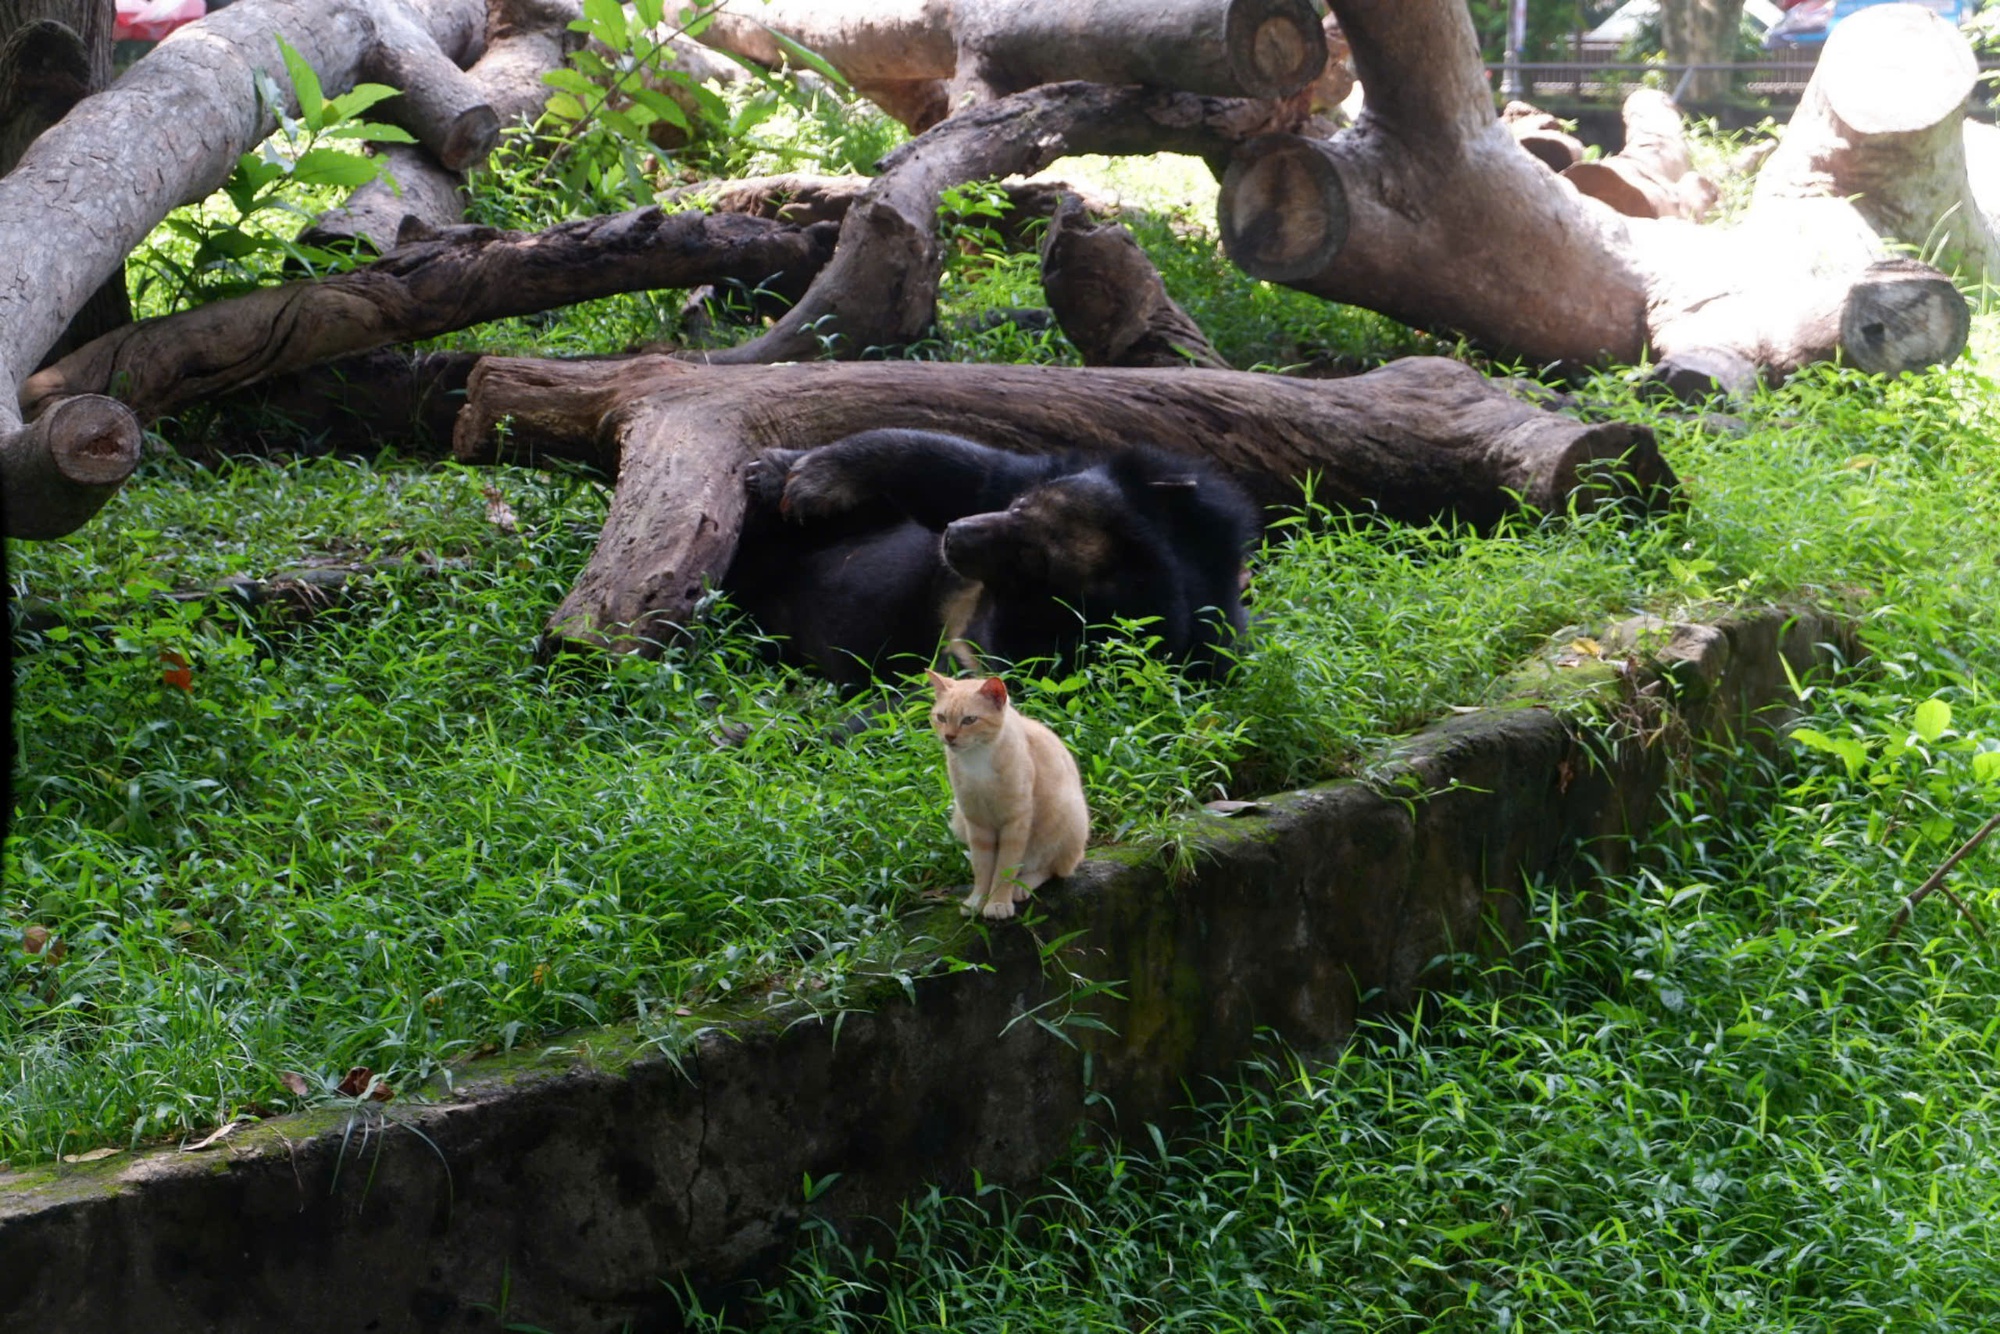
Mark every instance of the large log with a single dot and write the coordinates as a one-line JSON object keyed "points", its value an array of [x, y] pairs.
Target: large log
{"points": [[1111, 301], [1414, 440], [983, 49], [1883, 123], [461, 277], [524, 40], [53, 54], [1651, 176], [880, 290], [91, 187], [1429, 212]]}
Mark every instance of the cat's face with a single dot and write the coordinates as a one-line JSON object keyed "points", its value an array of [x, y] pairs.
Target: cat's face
{"points": [[967, 714]]}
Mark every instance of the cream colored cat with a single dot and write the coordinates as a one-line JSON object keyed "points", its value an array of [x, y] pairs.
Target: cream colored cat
{"points": [[1017, 800]]}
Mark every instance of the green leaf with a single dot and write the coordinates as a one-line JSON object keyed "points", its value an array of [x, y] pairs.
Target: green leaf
{"points": [[305, 86], [607, 19], [370, 132], [1986, 766], [800, 55], [650, 12], [330, 166], [564, 107], [663, 107], [572, 82], [1933, 716], [358, 99]]}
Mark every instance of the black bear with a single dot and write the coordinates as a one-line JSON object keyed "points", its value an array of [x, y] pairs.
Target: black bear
{"points": [[880, 544]]}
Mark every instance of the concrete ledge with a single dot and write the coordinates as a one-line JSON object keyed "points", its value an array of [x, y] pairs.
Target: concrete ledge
{"points": [[577, 1185]]}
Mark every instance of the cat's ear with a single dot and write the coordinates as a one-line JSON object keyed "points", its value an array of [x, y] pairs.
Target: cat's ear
{"points": [[993, 689], [938, 680]]}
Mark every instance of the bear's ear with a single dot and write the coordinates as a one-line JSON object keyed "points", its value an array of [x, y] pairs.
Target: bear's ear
{"points": [[994, 689], [938, 680]]}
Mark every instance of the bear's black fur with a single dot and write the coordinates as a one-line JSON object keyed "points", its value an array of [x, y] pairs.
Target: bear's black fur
{"points": [[880, 544]]}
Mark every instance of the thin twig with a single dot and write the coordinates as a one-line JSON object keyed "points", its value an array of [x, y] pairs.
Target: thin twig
{"points": [[1937, 878]]}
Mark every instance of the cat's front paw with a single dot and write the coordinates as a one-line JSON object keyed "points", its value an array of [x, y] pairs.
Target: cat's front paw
{"points": [[998, 908]]}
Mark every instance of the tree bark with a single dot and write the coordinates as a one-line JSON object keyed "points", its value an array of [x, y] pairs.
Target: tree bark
{"points": [[53, 54], [1651, 176], [353, 406], [1701, 32], [1883, 121], [880, 291], [1427, 211], [462, 277], [805, 199], [525, 39], [90, 188], [1111, 301], [1414, 440], [991, 48]]}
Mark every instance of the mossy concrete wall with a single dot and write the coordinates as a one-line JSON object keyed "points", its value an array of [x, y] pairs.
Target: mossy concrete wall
{"points": [[575, 1184]]}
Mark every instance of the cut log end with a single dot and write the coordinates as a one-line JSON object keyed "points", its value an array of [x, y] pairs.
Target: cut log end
{"points": [[1698, 375], [470, 138], [1276, 47], [1616, 464], [1903, 316], [1896, 69], [63, 467], [1282, 211]]}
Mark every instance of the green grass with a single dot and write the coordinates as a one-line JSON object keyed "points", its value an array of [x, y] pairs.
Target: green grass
{"points": [[391, 839], [1712, 1095]]}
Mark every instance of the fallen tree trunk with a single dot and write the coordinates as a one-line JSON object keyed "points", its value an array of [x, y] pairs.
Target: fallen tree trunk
{"points": [[802, 199], [91, 187], [353, 406], [1428, 211], [1651, 176], [1111, 301], [525, 39], [465, 276], [991, 48], [880, 290], [1414, 440], [1883, 122], [53, 54]]}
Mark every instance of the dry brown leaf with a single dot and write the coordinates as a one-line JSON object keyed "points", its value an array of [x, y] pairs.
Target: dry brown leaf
{"points": [[380, 1092], [1234, 807], [90, 1157], [34, 938], [355, 1082], [215, 1136], [294, 1081]]}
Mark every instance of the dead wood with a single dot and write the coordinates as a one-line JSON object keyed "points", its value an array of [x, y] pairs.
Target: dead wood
{"points": [[461, 277], [353, 406], [524, 40], [1414, 440], [925, 54], [1883, 121], [1651, 176], [53, 54], [802, 199], [1428, 212], [880, 290], [92, 186], [1542, 135], [1111, 301]]}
